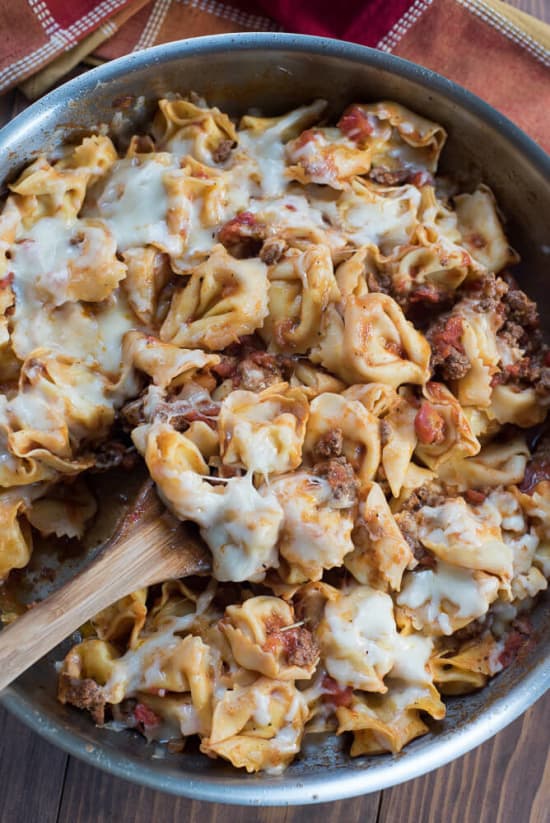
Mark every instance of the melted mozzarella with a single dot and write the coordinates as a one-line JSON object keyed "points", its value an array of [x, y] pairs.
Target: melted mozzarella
{"points": [[314, 536], [266, 150], [360, 625], [384, 221], [134, 204], [239, 523], [466, 537], [427, 592]]}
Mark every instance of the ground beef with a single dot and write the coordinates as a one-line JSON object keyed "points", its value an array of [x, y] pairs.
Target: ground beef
{"points": [[257, 371], [251, 367], [298, 643], [486, 292], [342, 480], [408, 526], [513, 334], [388, 177], [84, 694], [223, 150], [521, 309], [114, 453], [448, 355], [329, 445], [379, 282], [243, 235], [300, 646], [542, 385], [538, 467], [427, 495], [519, 639], [472, 631], [272, 250]]}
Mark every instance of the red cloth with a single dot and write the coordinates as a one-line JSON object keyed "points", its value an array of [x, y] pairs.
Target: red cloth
{"points": [[469, 41], [359, 21]]}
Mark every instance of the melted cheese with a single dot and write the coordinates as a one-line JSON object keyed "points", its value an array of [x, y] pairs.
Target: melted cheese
{"points": [[134, 204], [427, 592], [314, 536], [464, 537], [384, 221], [361, 625]]}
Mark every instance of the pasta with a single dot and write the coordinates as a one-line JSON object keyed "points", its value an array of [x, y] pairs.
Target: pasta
{"points": [[315, 345]]}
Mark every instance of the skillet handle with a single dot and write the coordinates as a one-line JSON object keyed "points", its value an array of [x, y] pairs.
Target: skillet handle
{"points": [[148, 549]]}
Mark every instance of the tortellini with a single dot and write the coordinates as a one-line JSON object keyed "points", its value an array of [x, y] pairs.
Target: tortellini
{"points": [[443, 430], [369, 340], [359, 430], [259, 726], [445, 599], [239, 523], [265, 637], [301, 287], [264, 432], [397, 137], [381, 553], [224, 299], [315, 534]]}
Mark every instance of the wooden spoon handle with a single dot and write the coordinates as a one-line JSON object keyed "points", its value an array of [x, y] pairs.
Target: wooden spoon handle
{"points": [[140, 556]]}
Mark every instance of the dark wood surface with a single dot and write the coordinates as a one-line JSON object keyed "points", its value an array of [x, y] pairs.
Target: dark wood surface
{"points": [[507, 780]]}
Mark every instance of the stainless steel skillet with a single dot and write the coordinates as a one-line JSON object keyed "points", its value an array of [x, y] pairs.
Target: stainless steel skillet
{"points": [[275, 72]]}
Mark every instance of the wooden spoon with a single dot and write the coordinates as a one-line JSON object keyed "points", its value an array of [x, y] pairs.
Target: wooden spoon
{"points": [[150, 546]]}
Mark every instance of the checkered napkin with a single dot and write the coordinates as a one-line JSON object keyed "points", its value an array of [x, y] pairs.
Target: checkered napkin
{"points": [[495, 50]]}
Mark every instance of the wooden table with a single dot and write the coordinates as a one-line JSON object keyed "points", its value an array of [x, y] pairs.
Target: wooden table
{"points": [[507, 780]]}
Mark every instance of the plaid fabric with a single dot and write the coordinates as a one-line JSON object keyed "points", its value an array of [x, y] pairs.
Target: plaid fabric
{"points": [[37, 31], [496, 52]]}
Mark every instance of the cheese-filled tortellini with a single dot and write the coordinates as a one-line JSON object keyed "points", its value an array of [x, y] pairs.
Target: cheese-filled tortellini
{"points": [[443, 431], [258, 726], [266, 637], [224, 299], [381, 552], [369, 339], [327, 157], [301, 286], [399, 139], [386, 723], [264, 432], [466, 536], [316, 525], [358, 428], [357, 637], [182, 127], [445, 599], [239, 523]]}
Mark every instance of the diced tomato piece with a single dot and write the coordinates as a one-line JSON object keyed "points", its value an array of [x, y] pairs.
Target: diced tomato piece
{"points": [[421, 178], [429, 425], [335, 693], [474, 496], [243, 225], [143, 714], [451, 333], [355, 124], [428, 293]]}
